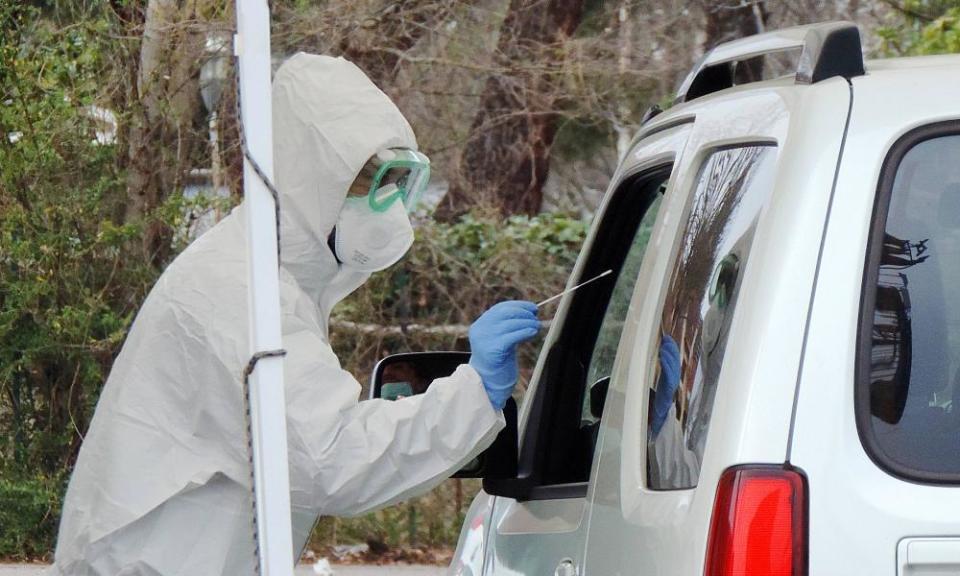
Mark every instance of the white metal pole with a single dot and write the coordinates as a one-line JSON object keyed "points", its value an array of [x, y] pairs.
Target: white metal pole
{"points": [[268, 420]]}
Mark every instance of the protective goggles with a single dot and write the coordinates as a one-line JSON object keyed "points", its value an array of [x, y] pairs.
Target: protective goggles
{"points": [[400, 174]]}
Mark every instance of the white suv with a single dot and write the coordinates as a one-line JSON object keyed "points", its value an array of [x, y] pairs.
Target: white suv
{"points": [[766, 384]]}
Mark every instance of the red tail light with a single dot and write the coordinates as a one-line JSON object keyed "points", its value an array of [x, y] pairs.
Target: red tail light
{"points": [[759, 523]]}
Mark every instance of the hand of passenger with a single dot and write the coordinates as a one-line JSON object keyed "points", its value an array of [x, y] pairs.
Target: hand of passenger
{"points": [[669, 380], [493, 344]]}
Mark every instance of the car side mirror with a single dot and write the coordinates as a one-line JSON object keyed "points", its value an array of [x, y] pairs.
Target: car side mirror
{"points": [[598, 396], [410, 374]]}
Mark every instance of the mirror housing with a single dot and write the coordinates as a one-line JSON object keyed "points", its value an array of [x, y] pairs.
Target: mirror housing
{"points": [[417, 369], [411, 373]]}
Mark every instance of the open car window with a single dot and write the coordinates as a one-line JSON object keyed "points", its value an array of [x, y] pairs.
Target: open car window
{"points": [[580, 361], [608, 338]]}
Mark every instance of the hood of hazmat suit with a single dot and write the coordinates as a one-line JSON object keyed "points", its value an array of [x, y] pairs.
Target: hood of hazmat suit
{"points": [[162, 485]]}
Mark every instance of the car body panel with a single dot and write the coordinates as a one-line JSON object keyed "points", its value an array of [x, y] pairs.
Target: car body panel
{"points": [[637, 530], [535, 536], [852, 500], [471, 550]]}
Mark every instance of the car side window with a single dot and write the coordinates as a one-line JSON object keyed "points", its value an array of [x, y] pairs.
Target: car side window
{"points": [[608, 338], [578, 366], [731, 190], [908, 370]]}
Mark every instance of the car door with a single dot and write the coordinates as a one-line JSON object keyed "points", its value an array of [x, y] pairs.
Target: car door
{"points": [[744, 177], [539, 520]]}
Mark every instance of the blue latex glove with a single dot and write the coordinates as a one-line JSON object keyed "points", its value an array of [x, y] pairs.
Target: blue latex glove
{"points": [[493, 344], [669, 381]]}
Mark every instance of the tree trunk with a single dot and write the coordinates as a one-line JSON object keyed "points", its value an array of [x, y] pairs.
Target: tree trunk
{"points": [[624, 64], [230, 149], [458, 496], [505, 160], [163, 106], [385, 30], [731, 19]]}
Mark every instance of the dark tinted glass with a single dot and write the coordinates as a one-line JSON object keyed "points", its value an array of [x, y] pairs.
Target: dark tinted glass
{"points": [[913, 349], [732, 189]]}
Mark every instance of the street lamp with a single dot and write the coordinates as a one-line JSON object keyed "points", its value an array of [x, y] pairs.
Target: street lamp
{"points": [[213, 76]]}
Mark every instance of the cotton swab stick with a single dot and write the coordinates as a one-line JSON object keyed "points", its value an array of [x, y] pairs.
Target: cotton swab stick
{"points": [[577, 287]]}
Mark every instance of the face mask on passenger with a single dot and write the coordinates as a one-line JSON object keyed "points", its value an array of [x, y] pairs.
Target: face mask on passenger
{"points": [[396, 390]]}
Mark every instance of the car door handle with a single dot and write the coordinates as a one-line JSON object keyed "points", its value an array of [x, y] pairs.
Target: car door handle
{"points": [[920, 556], [566, 567]]}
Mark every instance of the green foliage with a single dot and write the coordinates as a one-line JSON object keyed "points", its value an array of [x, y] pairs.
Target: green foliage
{"points": [[67, 290], [29, 511], [942, 36], [926, 27], [70, 283]]}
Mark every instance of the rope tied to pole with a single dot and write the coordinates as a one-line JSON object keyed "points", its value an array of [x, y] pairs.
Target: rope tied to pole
{"points": [[253, 162], [256, 357], [247, 372], [252, 364]]}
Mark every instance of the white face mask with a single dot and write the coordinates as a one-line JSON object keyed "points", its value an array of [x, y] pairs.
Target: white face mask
{"points": [[369, 241]]}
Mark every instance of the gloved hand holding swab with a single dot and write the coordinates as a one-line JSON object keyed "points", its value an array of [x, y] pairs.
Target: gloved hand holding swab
{"points": [[577, 287]]}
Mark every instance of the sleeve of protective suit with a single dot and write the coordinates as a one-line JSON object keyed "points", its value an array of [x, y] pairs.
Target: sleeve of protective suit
{"points": [[377, 452]]}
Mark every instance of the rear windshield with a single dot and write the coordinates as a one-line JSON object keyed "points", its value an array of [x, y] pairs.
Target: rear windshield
{"points": [[909, 365]]}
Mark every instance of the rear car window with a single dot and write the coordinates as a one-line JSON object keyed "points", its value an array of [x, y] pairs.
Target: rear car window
{"points": [[908, 371], [733, 186]]}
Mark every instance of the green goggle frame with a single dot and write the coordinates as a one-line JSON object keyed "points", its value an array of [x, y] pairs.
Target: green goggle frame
{"points": [[409, 170]]}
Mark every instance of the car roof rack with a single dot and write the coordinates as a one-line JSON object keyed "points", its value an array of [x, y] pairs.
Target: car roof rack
{"points": [[828, 49]]}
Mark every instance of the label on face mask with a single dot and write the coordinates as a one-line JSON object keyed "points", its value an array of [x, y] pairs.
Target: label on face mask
{"points": [[359, 258]]}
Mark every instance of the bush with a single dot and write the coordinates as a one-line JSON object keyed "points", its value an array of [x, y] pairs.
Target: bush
{"points": [[927, 27], [70, 276], [29, 514]]}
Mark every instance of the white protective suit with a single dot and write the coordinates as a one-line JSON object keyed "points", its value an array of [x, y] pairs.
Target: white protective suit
{"points": [[162, 483]]}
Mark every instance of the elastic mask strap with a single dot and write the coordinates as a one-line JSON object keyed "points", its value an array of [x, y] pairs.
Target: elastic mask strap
{"points": [[332, 244]]}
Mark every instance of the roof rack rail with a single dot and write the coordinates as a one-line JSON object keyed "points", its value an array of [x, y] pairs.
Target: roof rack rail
{"points": [[828, 49]]}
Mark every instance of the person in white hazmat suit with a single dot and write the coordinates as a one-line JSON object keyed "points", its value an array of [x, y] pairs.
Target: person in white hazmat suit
{"points": [[162, 485]]}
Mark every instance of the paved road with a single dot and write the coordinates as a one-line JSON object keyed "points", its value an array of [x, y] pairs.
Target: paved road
{"points": [[392, 570]]}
